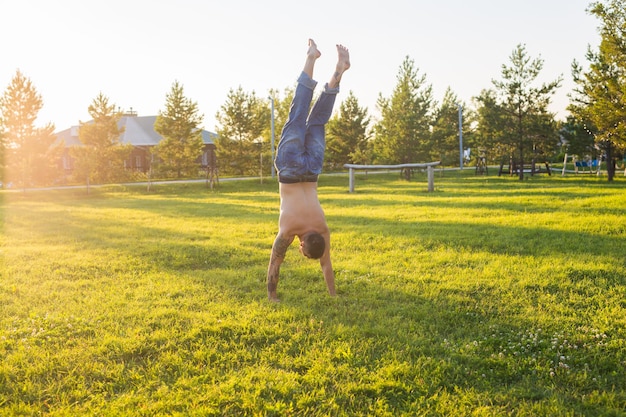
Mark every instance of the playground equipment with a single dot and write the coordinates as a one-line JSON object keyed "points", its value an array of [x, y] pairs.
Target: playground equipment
{"points": [[481, 162], [586, 165], [514, 167], [212, 177], [591, 165], [404, 168]]}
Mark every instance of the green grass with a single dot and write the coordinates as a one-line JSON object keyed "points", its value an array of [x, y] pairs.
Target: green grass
{"points": [[487, 297]]}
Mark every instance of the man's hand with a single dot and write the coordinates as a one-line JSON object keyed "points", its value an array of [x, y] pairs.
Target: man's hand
{"points": [[329, 274], [279, 250]]}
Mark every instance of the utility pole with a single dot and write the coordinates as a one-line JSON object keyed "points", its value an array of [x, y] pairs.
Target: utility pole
{"points": [[272, 139], [460, 136]]}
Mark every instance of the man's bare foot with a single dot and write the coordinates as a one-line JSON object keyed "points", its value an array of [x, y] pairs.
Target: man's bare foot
{"points": [[311, 56], [273, 299], [313, 52], [343, 59], [343, 63]]}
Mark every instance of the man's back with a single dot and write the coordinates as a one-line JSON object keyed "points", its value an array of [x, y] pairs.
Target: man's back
{"points": [[300, 210]]}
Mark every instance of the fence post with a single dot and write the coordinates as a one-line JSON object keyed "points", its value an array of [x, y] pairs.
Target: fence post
{"points": [[351, 179], [431, 178]]}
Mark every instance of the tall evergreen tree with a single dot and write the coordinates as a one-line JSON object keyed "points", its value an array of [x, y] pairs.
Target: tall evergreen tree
{"points": [[30, 156], [578, 137], [526, 105], [599, 100], [101, 158], [402, 134], [347, 134], [182, 145], [243, 121], [491, 127], [3, 149], [444, 145]]}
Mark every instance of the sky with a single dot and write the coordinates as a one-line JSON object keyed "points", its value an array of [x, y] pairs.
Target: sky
{"points": [[132, 51]]}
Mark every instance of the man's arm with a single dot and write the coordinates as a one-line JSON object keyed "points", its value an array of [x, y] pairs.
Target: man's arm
{"points": [[327, 268], [279, 249]]}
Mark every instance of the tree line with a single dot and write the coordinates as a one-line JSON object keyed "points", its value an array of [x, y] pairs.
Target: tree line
{"points": [[510, 121], [31, 156]]}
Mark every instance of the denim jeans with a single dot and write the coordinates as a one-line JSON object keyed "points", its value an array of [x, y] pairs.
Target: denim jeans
{"points": [[300, 152]]}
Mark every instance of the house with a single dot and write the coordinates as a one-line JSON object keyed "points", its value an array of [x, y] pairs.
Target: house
{"points": [[139, 132]]}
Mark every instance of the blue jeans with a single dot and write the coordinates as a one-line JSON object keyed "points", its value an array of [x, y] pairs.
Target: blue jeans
{"points": [[300, 152]]}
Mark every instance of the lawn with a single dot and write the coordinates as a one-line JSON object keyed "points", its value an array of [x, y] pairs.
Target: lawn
{"points": [[487, 297]]}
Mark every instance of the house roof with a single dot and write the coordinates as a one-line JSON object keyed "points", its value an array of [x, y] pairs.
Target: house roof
{"points": [[138, 131]]}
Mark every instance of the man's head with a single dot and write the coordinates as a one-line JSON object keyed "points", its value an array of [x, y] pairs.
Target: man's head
{"points": [[312, 245]]}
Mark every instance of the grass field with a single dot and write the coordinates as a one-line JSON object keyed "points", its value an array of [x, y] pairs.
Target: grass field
{"points": [[487, 297]]}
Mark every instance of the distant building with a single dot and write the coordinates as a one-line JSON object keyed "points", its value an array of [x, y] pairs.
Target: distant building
{"points": [[138, 132]]}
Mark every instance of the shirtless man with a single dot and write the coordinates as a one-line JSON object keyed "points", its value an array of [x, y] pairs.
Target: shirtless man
{"points": [[299, 161]]}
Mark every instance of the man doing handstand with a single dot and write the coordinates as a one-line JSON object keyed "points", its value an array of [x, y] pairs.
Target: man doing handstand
{"points": [[299, 159]]}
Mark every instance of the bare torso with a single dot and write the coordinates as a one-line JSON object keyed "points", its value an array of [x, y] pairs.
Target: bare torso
{"points": [[300, 213], [300, 210]]}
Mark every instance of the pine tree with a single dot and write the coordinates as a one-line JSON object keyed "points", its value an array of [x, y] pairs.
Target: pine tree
{"points": [[3, 149], [347, 134], [444, 145], [578, 136], [101, 157], [526, 105], [403, 132], [491, 128], [30, 154], [599, 102], [243, 119], [182, 145]]}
